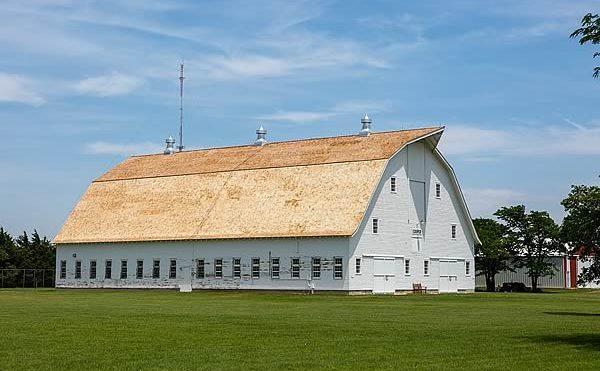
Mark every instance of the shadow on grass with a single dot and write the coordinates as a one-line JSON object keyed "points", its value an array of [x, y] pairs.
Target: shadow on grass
{"points": [[576, 314], [580, 341]]}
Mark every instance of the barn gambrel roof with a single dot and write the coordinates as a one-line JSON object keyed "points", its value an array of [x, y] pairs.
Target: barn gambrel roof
{"points": [[305, 188]]}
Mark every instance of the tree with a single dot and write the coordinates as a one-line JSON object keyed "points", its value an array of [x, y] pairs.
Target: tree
{"points": [[26, 252], [581, 227], [492, 254], [533, 237], [589, 32], [7, 245]]}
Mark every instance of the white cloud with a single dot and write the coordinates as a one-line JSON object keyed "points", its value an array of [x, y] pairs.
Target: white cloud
{"points": [[471, 141], [297, 116], [362, 107], [341, 108], [108, 85], [483, 202], [107, 148], [19, 89]]}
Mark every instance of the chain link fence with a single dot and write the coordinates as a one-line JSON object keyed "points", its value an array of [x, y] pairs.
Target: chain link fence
{"points": [[32, 278]]}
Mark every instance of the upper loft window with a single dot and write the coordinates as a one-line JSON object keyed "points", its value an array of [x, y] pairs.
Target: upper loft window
{"points": [[393, 184], [453, 232], [438, 190], [375, 226]]}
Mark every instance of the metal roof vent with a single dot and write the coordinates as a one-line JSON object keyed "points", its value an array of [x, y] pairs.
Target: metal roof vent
{"points": [[170, 143], [366, 126], [260, 136]]}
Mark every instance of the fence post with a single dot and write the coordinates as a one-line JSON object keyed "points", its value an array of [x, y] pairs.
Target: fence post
{"points": [[44, 278], [34, 278], [2, 273], [23, 278]]}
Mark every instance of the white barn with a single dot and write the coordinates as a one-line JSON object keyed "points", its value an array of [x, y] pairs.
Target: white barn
{"points": [[367, 213]]}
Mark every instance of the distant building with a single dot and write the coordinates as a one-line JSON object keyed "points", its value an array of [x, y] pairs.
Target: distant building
{"points": [[567, 269], [360, 213]]}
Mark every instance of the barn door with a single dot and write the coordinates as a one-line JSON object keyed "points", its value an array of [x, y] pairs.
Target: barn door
{"points": [[383, 275], [449, 276]]}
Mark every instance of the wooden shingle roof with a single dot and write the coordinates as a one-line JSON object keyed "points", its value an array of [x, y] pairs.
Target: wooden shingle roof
{"points": [[304, 188]]}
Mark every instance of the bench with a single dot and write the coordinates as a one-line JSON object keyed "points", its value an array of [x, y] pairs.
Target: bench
{"points": [[419, 288]]}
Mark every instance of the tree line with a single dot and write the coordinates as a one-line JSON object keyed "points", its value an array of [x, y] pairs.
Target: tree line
{"points": [[528, 239], [26, 251]]}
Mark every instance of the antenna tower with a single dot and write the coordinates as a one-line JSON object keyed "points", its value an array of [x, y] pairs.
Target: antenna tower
{"points": [[181, 78]]}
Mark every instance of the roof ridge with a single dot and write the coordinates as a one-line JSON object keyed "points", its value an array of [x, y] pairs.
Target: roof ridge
{"points": [[291, 141], [99, 180]]}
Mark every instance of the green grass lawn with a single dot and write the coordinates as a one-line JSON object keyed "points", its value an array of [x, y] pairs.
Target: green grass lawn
{"points": [[167, 330]]}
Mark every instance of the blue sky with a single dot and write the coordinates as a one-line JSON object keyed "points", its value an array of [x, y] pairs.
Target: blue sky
{"points": [[84, 84]]}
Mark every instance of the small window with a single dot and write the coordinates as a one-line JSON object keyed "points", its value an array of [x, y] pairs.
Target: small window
{"points": [[375, 225], [275, 268], [393, 184], [78, 269], [467, 268], [338, 268], [92, 269], [108, 269], [358, 265], [256, 268], [453, 232], [200, 268], [218, 268], [237, 268], [156, 269], [63, 269], [426, 267], [173, 269], [316, 268], [123, 269], [139, 272], [407, 267], [295, 267], [438, 190]]}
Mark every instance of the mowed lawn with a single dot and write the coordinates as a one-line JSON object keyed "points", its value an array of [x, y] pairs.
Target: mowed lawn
{"points": [[168, 330]]}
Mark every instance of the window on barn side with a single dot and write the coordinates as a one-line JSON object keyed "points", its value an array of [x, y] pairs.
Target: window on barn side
{"points": [[78, 269], [92, 269], [438, 190], [256, 268], [338, 268], [63, 269], [358, 261], [139, 272], [237, 267], [295, 267], [200, 268], [316, 268], [393, 184], [173, 269], [274, 267], [426, 267], [123, 269], [156, 268], [375, 226], [453, 232], [108, 269], [467, 268], [218, 268], [407, 267]]}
